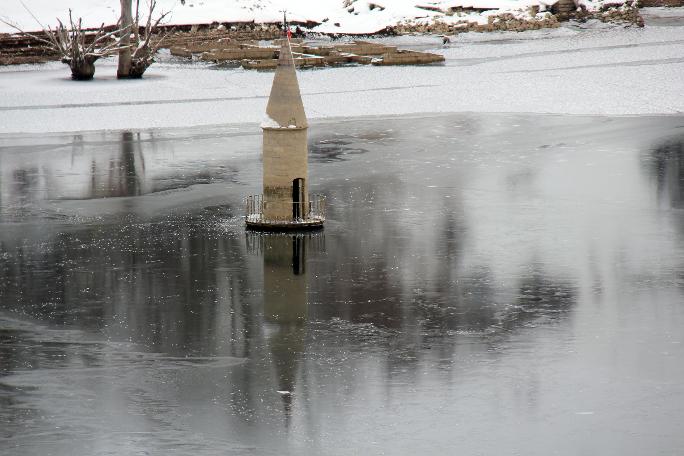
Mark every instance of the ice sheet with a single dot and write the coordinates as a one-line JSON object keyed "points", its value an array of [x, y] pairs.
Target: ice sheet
{"points": [[615, 71]]}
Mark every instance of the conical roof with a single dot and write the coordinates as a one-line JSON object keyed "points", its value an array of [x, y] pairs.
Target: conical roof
{"points": [[285, 108]]}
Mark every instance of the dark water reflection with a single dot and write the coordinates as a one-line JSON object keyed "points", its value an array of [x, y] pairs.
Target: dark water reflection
{"points": [[665, 162], [484, 285]]}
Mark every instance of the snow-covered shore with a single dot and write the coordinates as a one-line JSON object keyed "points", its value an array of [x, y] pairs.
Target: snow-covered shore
{"points": [[602, 71], [334, 16]]}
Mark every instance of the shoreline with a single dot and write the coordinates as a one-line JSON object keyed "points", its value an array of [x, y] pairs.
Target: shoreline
{"points": [[16, 49], [541, 71]]}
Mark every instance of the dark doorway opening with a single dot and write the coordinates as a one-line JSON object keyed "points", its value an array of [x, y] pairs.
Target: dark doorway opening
{"points": [[297, 198]]}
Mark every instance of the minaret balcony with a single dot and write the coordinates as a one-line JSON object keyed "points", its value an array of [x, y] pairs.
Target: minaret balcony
{"points": [[280, 215]]}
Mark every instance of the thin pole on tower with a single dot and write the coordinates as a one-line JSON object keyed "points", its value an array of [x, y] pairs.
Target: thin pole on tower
{"points": [[286, 27]]}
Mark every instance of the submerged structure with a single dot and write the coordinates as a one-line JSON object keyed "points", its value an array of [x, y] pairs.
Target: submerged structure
{"points": [[285, 203]]}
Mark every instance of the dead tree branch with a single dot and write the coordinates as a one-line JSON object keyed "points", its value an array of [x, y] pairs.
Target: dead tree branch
{"points": [[145, 47], [76, 47]]}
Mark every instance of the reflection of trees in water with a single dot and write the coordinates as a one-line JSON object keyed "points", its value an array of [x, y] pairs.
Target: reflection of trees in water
{"points": [[665, 163], [160, 284], [405, 287], [128, 164], [180, 288], [126, 172], [183, 288], [392, 288]]}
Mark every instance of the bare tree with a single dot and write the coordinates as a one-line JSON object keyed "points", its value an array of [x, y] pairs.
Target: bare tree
{"points": [[140, 55], [126, 21], [76, 47]]}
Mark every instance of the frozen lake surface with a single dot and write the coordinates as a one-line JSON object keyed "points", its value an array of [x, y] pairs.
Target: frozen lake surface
{"points": [[485, 284], [582, 69]]}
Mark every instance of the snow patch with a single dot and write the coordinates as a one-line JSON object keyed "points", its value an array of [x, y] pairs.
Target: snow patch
{"points": [[268, 122], [562, 71]]}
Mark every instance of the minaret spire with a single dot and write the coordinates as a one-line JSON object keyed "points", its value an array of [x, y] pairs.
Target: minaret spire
{"points": [[285, 107]]}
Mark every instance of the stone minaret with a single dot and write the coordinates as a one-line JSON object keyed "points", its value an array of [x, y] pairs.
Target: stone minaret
{"points": [[285, 145]]}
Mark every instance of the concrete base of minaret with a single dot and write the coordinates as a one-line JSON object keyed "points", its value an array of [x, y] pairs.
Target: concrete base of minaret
{"points": [[277, 214]]}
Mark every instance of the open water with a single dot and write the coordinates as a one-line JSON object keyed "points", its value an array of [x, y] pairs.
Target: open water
{"points": [[485, 284]]}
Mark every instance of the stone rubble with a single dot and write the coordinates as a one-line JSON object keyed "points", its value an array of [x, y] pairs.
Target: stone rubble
{"points": [[563, 10], [238, 42]]}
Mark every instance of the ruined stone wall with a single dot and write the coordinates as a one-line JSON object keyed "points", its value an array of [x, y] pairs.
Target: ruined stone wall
{"points": [[565, 10], [650, 3], [502, 22]]}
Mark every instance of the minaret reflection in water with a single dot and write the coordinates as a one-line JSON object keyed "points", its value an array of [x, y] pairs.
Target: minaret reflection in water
{"points": [[285, 303]]}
